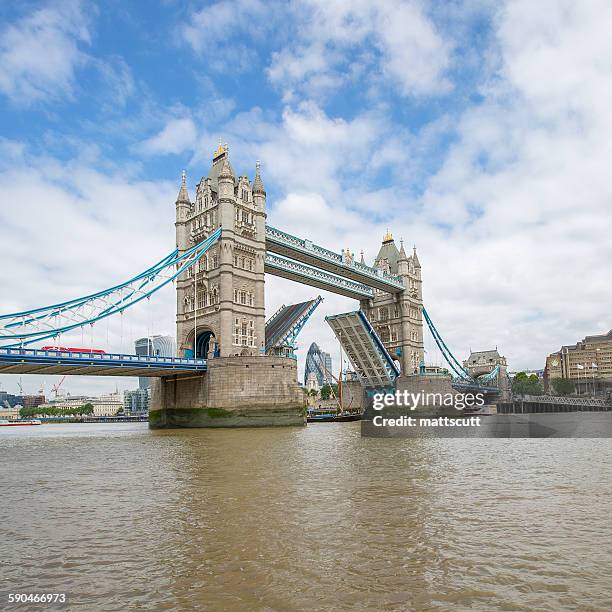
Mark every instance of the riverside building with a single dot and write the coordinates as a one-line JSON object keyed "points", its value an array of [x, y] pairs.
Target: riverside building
{"points": [[588, 364]]}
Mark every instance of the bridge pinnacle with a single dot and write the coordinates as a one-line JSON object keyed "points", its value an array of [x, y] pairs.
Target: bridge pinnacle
{"points": [[183, 195], [226, 168], [258, 186], [402, 252]]}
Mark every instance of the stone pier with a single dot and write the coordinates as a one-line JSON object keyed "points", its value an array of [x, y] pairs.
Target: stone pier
{"points": [[234, 392]]}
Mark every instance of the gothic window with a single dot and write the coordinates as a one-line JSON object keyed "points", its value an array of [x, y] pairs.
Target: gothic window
{"points": [[201, 299], [250, 299], [243, 333], [384, 314], [236, 331], [242, 262], [235, 261], [251, 333], [396, 312], [215, 260], [384, 335], [243, 297], [245, 195], [250, 264], [236, 295]]}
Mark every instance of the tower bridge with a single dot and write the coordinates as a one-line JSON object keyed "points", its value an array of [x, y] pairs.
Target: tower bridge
{"points": [[225, 372]]}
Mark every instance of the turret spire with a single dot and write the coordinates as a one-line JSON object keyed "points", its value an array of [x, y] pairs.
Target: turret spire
{"points": [[226, 168], [402, 252], [415, 259], [258, 186], [183, 195]]}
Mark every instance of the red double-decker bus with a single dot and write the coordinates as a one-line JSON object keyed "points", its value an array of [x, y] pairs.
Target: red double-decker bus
{"points": [[72, 349]]}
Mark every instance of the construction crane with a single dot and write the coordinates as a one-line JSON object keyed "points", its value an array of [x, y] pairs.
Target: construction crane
{"points": [[55, 389]]}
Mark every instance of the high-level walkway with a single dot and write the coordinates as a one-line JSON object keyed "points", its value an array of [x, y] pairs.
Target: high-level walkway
{"points": [[323, 268]]}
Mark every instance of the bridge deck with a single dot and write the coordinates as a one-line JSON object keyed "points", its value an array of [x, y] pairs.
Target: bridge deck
{"points": [[32, 361], [373, 364], [287, 322]]}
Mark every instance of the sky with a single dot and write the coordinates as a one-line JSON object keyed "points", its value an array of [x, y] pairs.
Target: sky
{"points": [[477, 130]]}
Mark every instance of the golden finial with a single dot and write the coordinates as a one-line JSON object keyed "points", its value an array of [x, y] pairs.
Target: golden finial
{"points": [[388, 236], [220, 149]]}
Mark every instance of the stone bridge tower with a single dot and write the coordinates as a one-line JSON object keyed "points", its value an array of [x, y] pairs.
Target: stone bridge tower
{"points": [[220, 301], [398, 318]]}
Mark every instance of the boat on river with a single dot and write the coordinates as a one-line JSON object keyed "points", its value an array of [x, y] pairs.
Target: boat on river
{"points": [[7, 423], [332, 417]]}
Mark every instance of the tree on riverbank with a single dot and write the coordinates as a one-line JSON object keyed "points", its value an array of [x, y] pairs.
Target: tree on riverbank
{"points": [[51, 411], [526, 385], [563, 386], [326, 391]]}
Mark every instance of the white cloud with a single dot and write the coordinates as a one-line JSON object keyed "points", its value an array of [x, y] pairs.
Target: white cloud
{"points": [[177, 136], [40, 53], [336, 42], [69, 230]]}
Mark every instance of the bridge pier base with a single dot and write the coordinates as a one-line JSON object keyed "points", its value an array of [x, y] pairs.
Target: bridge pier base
{"points": [[235, 392]]}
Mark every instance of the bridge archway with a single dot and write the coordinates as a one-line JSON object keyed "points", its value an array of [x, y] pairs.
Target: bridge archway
{"points": [[205, 343]]}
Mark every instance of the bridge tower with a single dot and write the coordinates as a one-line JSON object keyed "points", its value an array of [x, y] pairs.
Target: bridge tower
{"points": [[220, 314], [398, 318], [220, 305]]}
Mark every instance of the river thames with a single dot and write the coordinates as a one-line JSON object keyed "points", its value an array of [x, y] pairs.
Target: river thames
{"points": [[121, 517]]}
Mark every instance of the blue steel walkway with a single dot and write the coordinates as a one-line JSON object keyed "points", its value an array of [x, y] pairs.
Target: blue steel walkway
{"points": [[33, 361]]}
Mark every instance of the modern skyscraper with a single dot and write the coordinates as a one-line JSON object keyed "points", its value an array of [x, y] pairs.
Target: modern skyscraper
{"points": [[319, 363], [161, 346]]}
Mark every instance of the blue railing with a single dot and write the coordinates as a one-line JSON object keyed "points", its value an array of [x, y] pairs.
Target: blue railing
{"points": [[87, 358]]}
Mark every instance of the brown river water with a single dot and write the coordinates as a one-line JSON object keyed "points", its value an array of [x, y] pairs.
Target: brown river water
{"points": [[123, 518]]}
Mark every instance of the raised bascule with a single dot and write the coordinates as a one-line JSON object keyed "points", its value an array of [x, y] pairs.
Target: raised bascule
{"points": [[232, 368]]}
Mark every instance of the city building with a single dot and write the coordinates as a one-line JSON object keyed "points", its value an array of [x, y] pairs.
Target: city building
{"points": [[161, 346], [588, 364], [137, 401], [31, 401], [7, 400], [9, 414], [105, 405], [319, 363], [398, 319], [312, 384]]}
